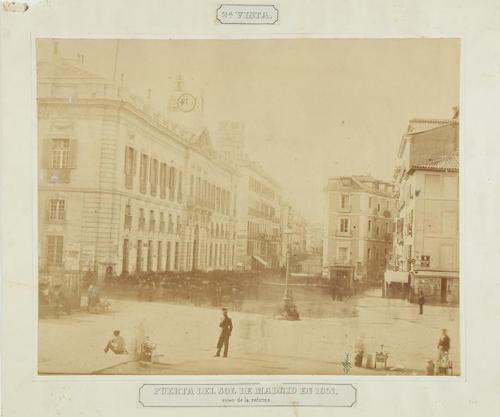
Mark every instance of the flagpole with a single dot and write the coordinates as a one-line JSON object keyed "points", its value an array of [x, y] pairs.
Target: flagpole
{"points": [[117, 47]]}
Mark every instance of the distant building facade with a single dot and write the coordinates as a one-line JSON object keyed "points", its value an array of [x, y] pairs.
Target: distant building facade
{"points": [[358, 227], [314, 238], [426, 243], [121, 187], [259, 234], [294, 228]]}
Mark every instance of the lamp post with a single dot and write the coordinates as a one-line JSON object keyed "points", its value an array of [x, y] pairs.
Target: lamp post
{"points": [[286, 296]]}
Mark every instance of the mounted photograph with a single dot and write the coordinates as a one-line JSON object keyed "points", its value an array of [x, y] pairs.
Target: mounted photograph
{"points": [[248, 206]]}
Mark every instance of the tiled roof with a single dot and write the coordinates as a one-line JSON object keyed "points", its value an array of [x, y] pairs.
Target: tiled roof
{"points": [[445, 163]]}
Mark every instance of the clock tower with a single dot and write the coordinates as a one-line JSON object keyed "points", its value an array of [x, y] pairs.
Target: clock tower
{"points": [[186, 105]]}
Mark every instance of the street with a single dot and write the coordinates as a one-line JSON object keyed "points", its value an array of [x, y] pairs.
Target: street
{"points": [[186, 336]]}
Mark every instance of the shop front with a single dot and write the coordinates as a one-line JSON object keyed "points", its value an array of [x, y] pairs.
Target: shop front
{"points": [[441, 287]]}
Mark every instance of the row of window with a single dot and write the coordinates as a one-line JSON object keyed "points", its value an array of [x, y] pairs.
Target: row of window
{"points": [[344, 227], [216, 230], [343, 254], [168, 255], [255, 230], [216, 254], [262, 209], [162, 226], [258, 187], [160, 176], [345, 203], [165, 179], [210, 195]]}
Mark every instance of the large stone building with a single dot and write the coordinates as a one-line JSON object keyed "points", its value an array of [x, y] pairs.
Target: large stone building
{"points": [[259, 234], [122, 187], [426, 243], [358, 227], [259, 231]]}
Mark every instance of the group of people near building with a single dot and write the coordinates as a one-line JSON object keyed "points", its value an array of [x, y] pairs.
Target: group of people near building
{"points": [[442, 366], [52, 301], [215, 288]]}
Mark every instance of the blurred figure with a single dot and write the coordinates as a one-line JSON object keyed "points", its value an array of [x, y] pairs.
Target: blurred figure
{"points": [[93, 297], [359, 351], [58, 301], [147, 349]]}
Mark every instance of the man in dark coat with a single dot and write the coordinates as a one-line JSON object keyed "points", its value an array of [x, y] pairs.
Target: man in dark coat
{"points": [[444, 343], [421, 301], [226, 325]]}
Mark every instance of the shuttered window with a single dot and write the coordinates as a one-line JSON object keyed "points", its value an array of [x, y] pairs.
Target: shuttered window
{"points": [[54, 250], [57, 210], [60, 153]]}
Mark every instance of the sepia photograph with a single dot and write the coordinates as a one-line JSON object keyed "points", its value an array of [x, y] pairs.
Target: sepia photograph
{"points": [[248, 206]]}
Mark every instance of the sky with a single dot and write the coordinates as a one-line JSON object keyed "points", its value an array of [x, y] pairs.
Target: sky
{"points": [[312, 108]]}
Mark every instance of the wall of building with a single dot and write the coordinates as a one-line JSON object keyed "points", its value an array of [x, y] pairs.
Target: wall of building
{"points": [[103, 195], [436, 219], [365, 241]]}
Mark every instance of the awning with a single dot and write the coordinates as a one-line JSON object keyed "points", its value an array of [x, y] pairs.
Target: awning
{"points": [[260, 260], [396, 276], [436, 274]]}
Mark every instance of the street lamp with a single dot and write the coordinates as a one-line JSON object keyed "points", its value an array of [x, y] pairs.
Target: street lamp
{"points": [[287, 301]]}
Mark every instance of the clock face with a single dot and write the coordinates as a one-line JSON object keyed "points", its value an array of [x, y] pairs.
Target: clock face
{"points": [[186, 102]]}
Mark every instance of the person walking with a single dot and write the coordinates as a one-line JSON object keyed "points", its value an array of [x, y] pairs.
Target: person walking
{"points": [[226, 325], [421, 301]]}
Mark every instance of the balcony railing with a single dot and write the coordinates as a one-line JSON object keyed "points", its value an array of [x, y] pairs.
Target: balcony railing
{"points": [[343, 262], [257, 213], [343, 234], [59, 175]]}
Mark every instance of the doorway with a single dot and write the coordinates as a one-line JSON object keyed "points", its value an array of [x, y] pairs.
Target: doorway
{"points": [[444, 290]]}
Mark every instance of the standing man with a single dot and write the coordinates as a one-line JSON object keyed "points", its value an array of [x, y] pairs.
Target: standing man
{"points": [[421, 301], [444, 343], [226, 326]]}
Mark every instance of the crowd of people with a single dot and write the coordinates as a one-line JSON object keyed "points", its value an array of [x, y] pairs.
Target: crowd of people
{"points": [[215, 288]]}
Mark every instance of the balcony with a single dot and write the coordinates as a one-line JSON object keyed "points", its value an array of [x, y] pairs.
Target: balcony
{"points": [[256, 213], [343, 262], [343, 234], [59, 175], [128, 222]]}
